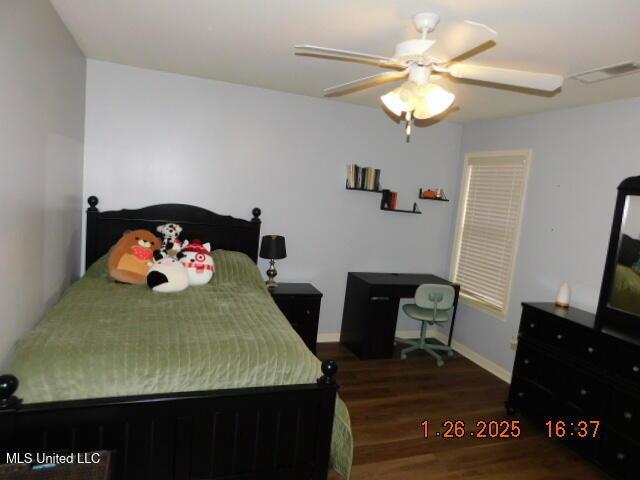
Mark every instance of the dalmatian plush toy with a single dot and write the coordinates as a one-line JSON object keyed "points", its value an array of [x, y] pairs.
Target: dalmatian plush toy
{"points": [[198, 261], [171, 244]]}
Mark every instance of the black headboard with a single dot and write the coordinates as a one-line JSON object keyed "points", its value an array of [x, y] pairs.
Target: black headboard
{"points": [[223, 231]]}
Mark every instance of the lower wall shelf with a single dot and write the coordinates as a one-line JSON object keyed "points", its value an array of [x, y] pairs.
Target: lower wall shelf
{"points": [[400, 210]]}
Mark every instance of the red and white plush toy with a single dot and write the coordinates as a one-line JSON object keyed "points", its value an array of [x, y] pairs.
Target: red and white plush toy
{"points": [[198, 261]]}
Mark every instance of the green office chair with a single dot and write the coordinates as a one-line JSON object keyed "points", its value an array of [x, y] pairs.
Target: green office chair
{"points": [[433, 303]]}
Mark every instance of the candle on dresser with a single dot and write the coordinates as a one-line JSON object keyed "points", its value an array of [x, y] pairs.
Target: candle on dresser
{"points": [[563, 299]]}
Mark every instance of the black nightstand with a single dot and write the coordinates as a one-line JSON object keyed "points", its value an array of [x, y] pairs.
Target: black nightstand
{"points": [[300, 303]]}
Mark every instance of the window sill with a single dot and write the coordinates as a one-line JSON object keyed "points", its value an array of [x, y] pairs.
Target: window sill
{"points": [[483, 307]]}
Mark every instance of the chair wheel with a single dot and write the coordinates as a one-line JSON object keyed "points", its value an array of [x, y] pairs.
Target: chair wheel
{"points": [[439, 363], [450, 353], [403, 356]]}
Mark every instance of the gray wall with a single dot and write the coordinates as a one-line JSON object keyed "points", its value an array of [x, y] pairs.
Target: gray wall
{"points": [[42, 90], [580, 156], [155, 137]]}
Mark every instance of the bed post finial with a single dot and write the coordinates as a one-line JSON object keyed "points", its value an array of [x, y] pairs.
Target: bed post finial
{"points": [[256, 214], [93, 202], [8, 386], [329, 369]]}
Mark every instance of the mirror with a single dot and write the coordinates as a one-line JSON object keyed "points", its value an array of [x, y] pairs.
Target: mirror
{"points": [[625, 289]]}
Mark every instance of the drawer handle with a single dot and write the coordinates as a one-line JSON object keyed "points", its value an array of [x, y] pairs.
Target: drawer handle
{"points": [[583, 392], [532, 325], [521, 394], [378, 298], [636, 369], [620, 456], [559, 336], [526, 361], [628, 415], [591, 349], [308, 312]]}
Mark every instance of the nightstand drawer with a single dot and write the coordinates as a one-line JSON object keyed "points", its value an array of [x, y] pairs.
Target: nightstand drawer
{"points": [[301, 310]]}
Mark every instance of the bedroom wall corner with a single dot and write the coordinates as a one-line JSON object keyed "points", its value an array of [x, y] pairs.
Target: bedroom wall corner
{"points": [[42, 92]]}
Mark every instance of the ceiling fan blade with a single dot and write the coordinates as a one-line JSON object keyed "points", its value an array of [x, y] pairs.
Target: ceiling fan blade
{"points": [[349, 55], [366, 81], [455, 38], [518, 78]]}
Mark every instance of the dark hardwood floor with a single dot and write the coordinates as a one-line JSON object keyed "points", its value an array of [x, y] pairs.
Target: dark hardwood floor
{"points": [[389, 399]]}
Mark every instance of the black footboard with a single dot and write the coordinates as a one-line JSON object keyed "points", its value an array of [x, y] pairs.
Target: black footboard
{"points": [[281, 432]]}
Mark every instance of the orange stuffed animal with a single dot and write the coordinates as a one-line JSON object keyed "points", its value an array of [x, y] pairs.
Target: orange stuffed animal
{"points": [[132, 256]]}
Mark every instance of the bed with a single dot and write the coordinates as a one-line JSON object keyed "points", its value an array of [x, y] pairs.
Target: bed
{"points": [[207, 383]]}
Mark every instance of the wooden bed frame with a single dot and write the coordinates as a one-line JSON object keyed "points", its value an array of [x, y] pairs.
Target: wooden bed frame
{"points": [[278, 432]]}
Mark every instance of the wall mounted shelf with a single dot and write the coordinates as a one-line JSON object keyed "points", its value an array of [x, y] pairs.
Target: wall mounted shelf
{"points": [[399, 210], [427, 198], [362, 189], [435, 199]]}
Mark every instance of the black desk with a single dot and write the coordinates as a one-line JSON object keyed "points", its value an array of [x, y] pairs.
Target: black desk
{"points": [[370, 312]]}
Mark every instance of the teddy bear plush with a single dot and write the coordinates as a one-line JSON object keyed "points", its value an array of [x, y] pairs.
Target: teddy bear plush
{"points": [[132, 256], [171, 244]]}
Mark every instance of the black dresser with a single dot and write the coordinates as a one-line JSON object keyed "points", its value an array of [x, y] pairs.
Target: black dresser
{"points": [[300, 303], [585, 381]]}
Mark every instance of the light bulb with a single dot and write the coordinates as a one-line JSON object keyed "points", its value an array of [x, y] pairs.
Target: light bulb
{"points": [[434, 101], [394, 103]]}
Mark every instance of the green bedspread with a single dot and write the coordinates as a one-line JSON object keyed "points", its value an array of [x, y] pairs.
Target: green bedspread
{"points": [[105, 339]]}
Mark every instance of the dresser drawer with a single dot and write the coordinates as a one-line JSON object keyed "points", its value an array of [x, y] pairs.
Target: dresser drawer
{"points": [[627, 363], [535, 366], [530, 398], [532, 324], [624, 413], [619, 455], [584, 391]]}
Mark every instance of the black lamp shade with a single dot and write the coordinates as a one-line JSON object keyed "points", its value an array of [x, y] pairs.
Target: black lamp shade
{"points": [[273, 247]]}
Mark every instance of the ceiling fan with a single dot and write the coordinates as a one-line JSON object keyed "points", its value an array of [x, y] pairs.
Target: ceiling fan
{"points": [[418, 59]]}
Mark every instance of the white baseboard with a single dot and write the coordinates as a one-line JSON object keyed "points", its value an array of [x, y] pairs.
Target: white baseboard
{"points": [[328, 337], [491, 367]]}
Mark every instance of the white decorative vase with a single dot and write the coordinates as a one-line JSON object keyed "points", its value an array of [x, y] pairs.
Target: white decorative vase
{"points": [[563, 299]]}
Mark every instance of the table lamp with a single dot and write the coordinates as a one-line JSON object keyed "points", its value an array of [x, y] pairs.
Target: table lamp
{"points": [[272, 248]]}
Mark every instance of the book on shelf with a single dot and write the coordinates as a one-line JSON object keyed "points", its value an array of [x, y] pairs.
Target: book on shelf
{"points": [[389, 200], [364, 178]]}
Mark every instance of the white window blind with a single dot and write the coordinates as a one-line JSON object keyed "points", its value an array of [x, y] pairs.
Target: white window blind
{"points": [[488, 226]]}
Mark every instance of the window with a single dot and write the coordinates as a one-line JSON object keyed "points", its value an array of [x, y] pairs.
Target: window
{"points": [[490, 211]]}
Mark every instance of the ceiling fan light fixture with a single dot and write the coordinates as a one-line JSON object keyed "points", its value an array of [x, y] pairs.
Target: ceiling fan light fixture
{"points": [[434, 101], [394, 103]]}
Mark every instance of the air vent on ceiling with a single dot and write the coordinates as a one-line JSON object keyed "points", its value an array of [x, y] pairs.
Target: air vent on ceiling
{"points": [[606, 73]]}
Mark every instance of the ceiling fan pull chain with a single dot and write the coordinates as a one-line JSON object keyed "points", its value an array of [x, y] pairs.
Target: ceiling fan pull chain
{"points": [[407, 117]]}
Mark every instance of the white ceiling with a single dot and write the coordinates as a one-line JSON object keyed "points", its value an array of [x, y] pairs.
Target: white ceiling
{"points": [[251, 42]]}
